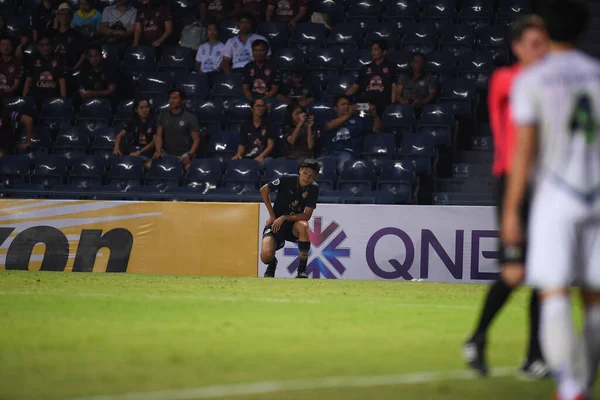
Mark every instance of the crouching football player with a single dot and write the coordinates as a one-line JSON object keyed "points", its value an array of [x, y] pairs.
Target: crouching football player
{"points": [[288, 217]]}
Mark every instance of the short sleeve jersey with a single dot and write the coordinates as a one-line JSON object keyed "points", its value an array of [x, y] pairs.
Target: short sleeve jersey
{"points": [[376, 82], [293, 91], [45, 74], [210, 56], [254, 140], [561, 96], [417, 89], [69, 46], [140, 133], [217, 10], [9, 72], [239, 52], [286, 10], [349, 136], [257, 8], [178, 129], [152, 21], [261, 80], [291, 198], [89, 79]]}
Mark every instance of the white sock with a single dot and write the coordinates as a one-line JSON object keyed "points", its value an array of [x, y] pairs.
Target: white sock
{"points": [[562, 349], [591, 333]]}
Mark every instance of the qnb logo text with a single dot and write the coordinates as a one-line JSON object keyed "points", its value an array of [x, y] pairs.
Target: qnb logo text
{"points": [[327, 242]]}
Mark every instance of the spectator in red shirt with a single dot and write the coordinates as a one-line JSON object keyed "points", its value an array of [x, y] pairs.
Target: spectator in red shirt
{"points": [[154, 24], [11, 71], [216, 10], [7, 133], [290, 11], [257, 8]]}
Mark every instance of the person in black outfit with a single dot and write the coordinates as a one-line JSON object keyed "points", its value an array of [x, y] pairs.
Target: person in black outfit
{"points": [[288, 218], [256, 139], [297, 88], [8, 138], [376, 83], [138, 133], [96, 79], [261, 77]]}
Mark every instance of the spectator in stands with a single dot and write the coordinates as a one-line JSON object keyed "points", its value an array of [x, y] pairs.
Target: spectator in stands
{"points": [[7, 135], [24, 41], [210, 54], [238, 50], [95, 79], [11, 70], [154, 24], [138, 134], [178, 132], [256, 139], [87, 20], [118, 23], [46, 77], [43, 17], [300, 141], [297, 88], [416, 88], [256, 8], [288, 11], [349, 129], [376, 83], [261, 77], [69, 44], [216, 10]]}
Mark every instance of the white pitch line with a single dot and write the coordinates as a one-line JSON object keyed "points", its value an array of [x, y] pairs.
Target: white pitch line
{"points": [[281, 300], [246, 389]]}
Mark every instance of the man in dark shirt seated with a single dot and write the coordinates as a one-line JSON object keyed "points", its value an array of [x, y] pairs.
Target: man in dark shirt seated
{"points": [[416, 88], [95, 79], [261, 77], [288, 218], [8, 120], [297, 88]]}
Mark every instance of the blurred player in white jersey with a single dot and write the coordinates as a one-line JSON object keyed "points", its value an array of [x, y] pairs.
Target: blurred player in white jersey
{"points": [[556, 106]]}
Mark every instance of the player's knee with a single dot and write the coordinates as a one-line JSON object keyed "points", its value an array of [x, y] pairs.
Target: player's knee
{"points": [[513, 275], [302, 228], [266, 256]]}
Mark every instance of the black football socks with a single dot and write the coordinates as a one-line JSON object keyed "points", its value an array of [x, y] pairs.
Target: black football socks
{"points": [[496, 298]]}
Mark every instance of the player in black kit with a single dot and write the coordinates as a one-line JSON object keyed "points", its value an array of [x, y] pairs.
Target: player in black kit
{"points": [[296, 199]]}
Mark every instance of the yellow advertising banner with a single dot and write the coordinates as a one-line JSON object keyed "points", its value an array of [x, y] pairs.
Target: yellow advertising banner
{"points": [[140, 237]]}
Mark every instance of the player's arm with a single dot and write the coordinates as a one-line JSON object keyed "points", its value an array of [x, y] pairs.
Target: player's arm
{"points": [[27, 122], [305, 216], [265, 194]]}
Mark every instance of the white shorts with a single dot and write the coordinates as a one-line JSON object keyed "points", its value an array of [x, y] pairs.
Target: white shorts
{"points": [[563, 239]]}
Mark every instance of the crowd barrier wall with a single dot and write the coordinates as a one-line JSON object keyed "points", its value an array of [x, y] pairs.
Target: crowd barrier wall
{"points": [[378, 242], [137, 237]]}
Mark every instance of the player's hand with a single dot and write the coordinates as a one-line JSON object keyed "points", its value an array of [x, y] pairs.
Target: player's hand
{"points": [[302, 118], [260, 160], [277, 224], [270, 220], [185, 159], [117, 152], [511, 232], [311, 121]]}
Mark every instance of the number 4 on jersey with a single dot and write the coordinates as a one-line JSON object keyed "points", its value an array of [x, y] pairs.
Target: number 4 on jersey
{"points": [[583, 120]]}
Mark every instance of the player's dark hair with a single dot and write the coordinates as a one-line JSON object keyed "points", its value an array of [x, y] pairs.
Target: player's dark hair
{"points": [[340, 97], [383, 44], [180, 92], [253, 102], [565, 20], [136, 104], [297, 70], [312, 164], [289, 116], [525, 23], [260, 42], [212, 22]]}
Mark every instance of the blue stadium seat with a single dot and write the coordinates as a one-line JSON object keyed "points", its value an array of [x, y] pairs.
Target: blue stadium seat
{"points": [[124, 111], [23, 105], [476, 13], [276, 32], [383, 31], [457, 39], [440, 13], [365, 8], [176, 60], [419, 149], [227, 86], [363, 57], [194, 86], [204, 174], [278, 168], [104, 142], [494, 40], [26, 191], [95, 110], [165, 172], [182, 9], [228, 29], [278, 114], [477, 67], [154, 82], [14, 169], [90, 127], [211, 115], [125, 172], [327, 178], [357, 176], [464, 199], [41, 140], [242, 175], [88, 171], [398, 178], [338, 85], [57, 112], [285, 58], [71, 142], [323, 112], [17, 26], [460, 94], [223, 145], [399, 118], [380, 197], [422, 39], [333, 8], [111, 56], [402, 60], [50, 171], [378, 148], [139, 59], [345, 35], [510, 10], [437, 121], [239, 112], [68, 192], [440, 65], [401, 9], [308, 32]]}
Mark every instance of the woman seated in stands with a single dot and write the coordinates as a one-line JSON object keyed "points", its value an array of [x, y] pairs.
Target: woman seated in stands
{"points": [[138, 133], [300, 141]]}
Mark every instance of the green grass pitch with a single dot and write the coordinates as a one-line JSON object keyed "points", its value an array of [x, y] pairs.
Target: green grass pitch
{"points": [[67, 335]]}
